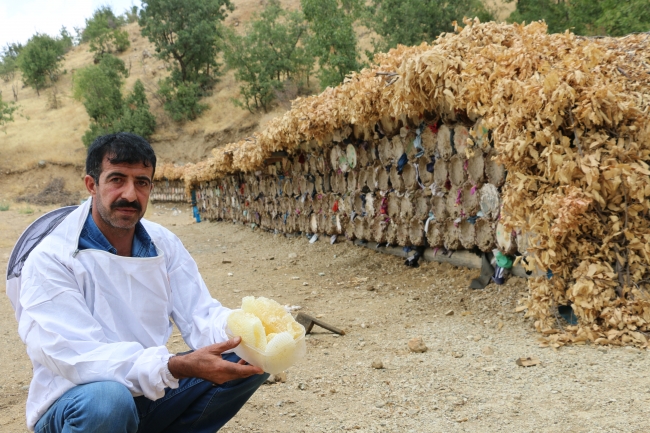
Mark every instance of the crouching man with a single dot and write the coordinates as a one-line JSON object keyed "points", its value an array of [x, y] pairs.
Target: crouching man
{"points": [[93, 300]]}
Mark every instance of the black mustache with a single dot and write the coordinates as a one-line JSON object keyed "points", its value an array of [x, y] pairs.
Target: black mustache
{"points": [[123, 203]]}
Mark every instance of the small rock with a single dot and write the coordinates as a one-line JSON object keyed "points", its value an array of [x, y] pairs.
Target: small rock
{"points": [[226, 261], [271, 258], [370, 288], [487, 350], [456, 354], [230, 274], [321, 274], [302, 386], [378, 365], [477, 338], [25, 387], [295, 278], [417, 345], [449, 313], [280, 377], [293, 255], [305, 283], [42, 163]]}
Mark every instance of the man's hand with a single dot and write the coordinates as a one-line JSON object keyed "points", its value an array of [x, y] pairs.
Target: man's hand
{"points": [[206, 363]]}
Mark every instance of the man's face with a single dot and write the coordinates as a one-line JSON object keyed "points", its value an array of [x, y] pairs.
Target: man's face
{"points": [[122, 193]]}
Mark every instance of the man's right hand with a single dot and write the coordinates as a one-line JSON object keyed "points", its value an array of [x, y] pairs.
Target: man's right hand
{"points": [[207, 364]]}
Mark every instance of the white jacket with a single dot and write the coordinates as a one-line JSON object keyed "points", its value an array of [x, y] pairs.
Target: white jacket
{"points": [[88, 316]]}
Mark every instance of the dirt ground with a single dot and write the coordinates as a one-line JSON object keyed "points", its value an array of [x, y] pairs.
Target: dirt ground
{"points": [[467, 380]]}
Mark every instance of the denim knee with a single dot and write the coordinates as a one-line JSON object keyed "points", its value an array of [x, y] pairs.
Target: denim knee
{"points": [[106, 402]]}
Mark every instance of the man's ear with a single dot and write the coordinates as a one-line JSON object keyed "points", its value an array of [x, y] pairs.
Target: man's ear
{"points": [[90, 184]]}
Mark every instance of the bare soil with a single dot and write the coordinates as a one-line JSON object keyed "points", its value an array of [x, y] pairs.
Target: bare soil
{"points": [[467, 380]]}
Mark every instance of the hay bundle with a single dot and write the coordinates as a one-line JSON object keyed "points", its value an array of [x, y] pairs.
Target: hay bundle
{"points": [[439, 207], [406, 209], [440, 172], [476, 167], [444, 143], [506, 239], [352, 181], [454, 202], [416, 232], [360, 227], [436, 234], [378, 229], [424, 164], [370, 209], [495, 172], [470, 199], [396, 179], [467, 234], [391, 233], [484, 234], [403, 233], [429, 140], [385, 151], [394, 204], [398, 147], [410, 177], [421, 205], [457, 170], [382, 178]]}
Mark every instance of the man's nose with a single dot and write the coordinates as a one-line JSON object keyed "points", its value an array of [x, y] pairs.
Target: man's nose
{"points": [[129, 193]]}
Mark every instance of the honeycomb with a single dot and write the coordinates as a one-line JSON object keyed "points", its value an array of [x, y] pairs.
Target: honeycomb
{"points": [[249, 327], [273, 316]]}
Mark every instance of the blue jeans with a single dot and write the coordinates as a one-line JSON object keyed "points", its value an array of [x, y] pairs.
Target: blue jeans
{"points": [[196, 406]]}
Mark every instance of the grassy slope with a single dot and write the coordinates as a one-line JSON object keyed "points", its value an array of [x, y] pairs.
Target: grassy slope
{"points": [[54, 135]]}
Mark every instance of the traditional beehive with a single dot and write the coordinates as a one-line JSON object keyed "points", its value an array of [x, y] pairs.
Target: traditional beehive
{"points": [[493, 132]]}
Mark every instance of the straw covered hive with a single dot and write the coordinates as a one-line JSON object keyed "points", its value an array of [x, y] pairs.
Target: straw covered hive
{"points": [[566, 117]]}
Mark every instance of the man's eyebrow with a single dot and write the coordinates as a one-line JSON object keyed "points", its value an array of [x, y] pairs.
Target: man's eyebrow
{"points": [[147, 178], [115, 173]]}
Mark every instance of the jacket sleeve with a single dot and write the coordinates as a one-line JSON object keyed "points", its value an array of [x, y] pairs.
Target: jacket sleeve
{"points": [[61, 333], [200, 318]]}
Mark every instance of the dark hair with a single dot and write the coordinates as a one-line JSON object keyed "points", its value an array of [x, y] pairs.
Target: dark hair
{"points": [[122, 147]]}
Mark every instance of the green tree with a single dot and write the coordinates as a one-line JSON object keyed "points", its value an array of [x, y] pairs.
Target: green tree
{"points": [[103, 32], [39, 61], [411, 22], [136, 116], [181, 100], [271, 52], [187, 33], [112, 41], [332, 38], [65, 39], [98, 87], [131, 15], [102, 21], [6, 111], [586, 17], [9, 61]]}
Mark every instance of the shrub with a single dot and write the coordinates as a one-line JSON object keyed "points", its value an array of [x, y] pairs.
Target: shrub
{"points": [[39, 61], [181, 101]]}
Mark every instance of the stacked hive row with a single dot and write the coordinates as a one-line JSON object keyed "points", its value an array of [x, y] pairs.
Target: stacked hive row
{"points": [[569, 119], [408, 185], [169, 190]]}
